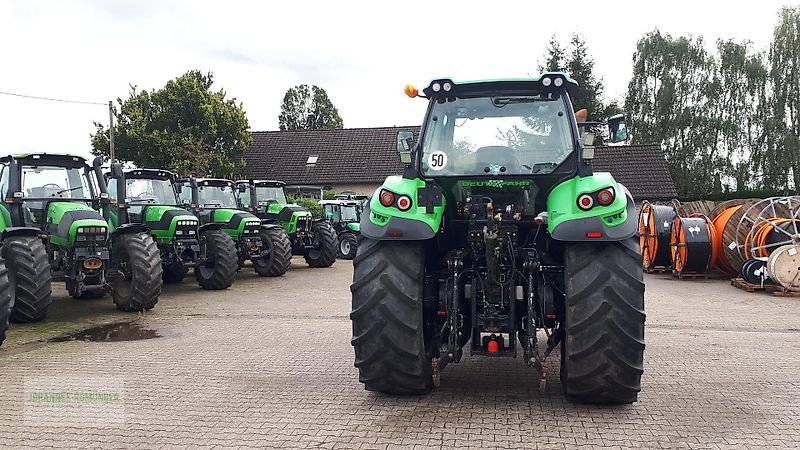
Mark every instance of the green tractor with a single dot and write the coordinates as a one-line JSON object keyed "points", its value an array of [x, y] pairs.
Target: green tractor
{"points": [[6, 299], [499, 228], [315, 240], [215, 201], [345, 217], [148, 197], [52, 230]]}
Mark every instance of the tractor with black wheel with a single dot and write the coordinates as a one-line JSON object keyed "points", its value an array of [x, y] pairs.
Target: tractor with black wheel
{"points": [[499, 228], [52, 231], [148, 197], [215, 201], [6, 299], [313, 239], [345, 218]]}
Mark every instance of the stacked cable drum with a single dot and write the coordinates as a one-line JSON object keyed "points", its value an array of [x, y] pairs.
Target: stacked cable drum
{"points": [[691, 245], [655, 224]]}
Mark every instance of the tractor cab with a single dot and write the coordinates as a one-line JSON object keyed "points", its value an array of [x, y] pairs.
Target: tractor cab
{"points": [[345, 217], [144, 188]]}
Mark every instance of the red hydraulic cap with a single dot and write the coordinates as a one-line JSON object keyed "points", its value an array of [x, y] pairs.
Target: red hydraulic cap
{"points": [[493, 347]]}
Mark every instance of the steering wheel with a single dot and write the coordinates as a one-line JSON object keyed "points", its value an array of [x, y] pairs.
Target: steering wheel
{"points": [[52, 185]]}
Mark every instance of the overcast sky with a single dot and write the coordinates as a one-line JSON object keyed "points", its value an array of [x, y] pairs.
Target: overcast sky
{"points": [[362, 53]]}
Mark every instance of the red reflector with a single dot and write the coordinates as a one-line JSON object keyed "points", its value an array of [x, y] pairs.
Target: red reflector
{"points": [[386, 198], [395, 234], [594, 234], [493, 347], [585, 202], [551, 316], [441, 312]]}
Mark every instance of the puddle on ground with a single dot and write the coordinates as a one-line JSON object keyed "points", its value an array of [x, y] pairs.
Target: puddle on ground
{"points": [[117, 332]]}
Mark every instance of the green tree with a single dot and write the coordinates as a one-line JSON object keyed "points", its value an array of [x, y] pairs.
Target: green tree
{"points": [[784, 145], [307, 107], [667, 102], [554, 56], [580, 65], [184, 126]]}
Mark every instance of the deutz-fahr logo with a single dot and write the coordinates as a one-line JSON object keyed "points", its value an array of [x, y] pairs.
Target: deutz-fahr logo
{"points": [[496, 183]]}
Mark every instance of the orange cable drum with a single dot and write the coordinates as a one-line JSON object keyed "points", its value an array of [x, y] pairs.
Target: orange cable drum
{"points": [[690, 244], [654, 227], [721, 223]]}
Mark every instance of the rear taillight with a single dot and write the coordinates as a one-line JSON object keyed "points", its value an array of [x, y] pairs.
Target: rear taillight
{"points": [[606, 196], [585, 202], [386, 198], [404, 203]]}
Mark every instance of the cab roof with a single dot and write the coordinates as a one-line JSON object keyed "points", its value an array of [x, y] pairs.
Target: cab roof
{"points": [[340, 202], [157, 174], [263, 183], [509, 86], [209, 181], [59, 158]]}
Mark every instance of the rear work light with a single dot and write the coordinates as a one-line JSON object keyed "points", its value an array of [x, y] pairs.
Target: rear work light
{"points": [[386, 198]]}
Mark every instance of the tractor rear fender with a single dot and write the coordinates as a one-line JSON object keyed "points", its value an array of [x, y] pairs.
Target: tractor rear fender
{"points": [[420, 221], [130, 228], [19, 231], [568, 222], [210, 227]]}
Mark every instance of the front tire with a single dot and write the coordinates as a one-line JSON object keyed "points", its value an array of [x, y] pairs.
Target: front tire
{"points": [[136, 255], [387, 317], [219, 269], [603, 350], [26, 257], [348, 245], [6, 299], [279, 247], [324, 252]]}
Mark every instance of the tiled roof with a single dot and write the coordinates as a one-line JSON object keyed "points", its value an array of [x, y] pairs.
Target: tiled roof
{"points": [[641, 168], [369, 155], [349, 155]]}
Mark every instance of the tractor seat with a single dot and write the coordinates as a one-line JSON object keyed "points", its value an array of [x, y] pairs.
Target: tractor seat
{"points": [[496, 155]]}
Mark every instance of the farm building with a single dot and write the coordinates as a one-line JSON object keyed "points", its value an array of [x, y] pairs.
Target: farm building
{"points": [[359, 159]]}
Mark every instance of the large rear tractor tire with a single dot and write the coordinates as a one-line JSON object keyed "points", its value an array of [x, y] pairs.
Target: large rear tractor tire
{"points": [[26, 258], [602, 354], [348, 245], [174, 273], [137, 256], [387, 317], [6, 300], [325, 246], [219, 269], [277, 243]]}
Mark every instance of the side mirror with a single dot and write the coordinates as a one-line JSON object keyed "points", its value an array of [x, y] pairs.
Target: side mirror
{"points": [[617, 128], [589, 140], [178, 188], [405, 141], [116, 171], [242, 188]]}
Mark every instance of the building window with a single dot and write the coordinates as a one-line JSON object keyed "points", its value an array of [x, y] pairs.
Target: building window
{"points": [[312, 159]]}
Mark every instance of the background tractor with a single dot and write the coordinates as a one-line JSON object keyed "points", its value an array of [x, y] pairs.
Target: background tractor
{"points": [[345, 218], [315, 240], [148, 197], [215, 201], [52, 230], [6, 299], [498, 228]]}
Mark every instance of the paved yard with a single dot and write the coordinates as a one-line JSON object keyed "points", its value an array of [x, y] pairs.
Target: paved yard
{"points": [[268, 363]]}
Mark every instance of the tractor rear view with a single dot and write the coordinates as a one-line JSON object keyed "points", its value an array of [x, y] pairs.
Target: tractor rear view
{"points": [[148, 197], [52, 230], [499, 228], [315, 240], [345, 218]]}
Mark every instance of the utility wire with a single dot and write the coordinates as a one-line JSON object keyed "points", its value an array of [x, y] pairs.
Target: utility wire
{"points": [[80, 102]]}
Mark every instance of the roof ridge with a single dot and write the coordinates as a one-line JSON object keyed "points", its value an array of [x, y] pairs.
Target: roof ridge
{"points": [[337, 129]]}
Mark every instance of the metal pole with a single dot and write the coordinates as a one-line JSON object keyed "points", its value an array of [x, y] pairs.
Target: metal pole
{"points": [[111, 129]]}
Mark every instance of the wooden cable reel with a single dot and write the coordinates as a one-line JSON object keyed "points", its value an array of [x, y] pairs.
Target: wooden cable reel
{"points": [[783, 267], [690, 244], [723, 225], [654, 235], [774, 217]]}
